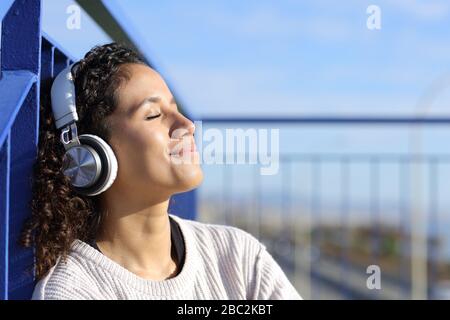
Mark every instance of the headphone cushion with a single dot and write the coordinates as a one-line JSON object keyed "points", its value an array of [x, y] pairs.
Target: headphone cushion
{"points": [[109, 164]]}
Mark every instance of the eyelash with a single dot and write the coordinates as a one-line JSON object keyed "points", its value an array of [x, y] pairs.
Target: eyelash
{"points": [[152, 117]]}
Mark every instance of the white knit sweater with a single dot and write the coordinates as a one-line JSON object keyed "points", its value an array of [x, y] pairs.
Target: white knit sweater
{"points": [[221, 262]]}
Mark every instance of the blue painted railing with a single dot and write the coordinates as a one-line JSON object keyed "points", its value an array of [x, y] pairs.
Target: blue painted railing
{"points": [[19, 116], [28, 56]]}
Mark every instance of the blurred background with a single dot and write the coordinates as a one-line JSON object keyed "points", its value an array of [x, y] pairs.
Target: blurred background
{"points": [[363, 117]]}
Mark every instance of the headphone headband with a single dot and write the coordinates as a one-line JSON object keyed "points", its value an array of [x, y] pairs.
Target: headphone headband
{"points": [[63, 98]]}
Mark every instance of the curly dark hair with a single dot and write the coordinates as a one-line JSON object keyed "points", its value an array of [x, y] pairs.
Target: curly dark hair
{"points": [[59, 214]]}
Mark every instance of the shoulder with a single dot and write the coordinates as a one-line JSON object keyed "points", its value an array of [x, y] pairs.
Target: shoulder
{"points": [[218, 231], [222, 238], [67, 279]]}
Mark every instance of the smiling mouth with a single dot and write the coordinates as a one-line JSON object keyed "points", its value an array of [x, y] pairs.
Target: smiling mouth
{"points": [[187, 148]]}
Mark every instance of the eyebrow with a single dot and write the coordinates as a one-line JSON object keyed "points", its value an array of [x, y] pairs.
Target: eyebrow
{"points": [[153, 99]]}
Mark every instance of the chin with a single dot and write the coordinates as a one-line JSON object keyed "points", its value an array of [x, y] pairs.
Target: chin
{"points": [[189, 178]]}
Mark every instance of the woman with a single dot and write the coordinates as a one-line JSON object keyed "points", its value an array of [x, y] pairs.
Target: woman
{"points": [[122, 243]]}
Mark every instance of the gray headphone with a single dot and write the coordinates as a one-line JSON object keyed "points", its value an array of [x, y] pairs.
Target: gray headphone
{"points": [[89, 161]]}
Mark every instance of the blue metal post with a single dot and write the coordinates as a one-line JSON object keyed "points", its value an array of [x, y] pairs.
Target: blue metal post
{"points": [[46, 60], [375, 212], [433, 234], [21, 39], [345, 223], [59, 61], [184, 205], [316, 237], [405, 228], [4, 214]]}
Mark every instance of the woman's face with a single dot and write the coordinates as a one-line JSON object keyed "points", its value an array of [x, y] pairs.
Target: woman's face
{"points": [[152, 140]]}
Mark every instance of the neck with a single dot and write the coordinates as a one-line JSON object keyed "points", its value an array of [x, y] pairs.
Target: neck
{"points": [[138, 238]]}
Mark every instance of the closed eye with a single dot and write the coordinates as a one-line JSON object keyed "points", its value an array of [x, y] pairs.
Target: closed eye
{"points": [[152, 117]]}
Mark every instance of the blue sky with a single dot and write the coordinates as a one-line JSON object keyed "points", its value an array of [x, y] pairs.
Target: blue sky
{"points": [[285, 57], [296, 57]]}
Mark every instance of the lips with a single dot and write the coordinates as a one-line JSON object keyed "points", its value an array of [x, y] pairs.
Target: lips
{"points": [[181, 147]]}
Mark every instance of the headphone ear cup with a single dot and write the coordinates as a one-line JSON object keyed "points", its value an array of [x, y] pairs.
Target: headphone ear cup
{"points": [[82, 165], [107, 165]]}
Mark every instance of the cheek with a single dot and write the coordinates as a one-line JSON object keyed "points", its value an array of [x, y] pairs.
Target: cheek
{"points": [[154, 148], [143, 154]]}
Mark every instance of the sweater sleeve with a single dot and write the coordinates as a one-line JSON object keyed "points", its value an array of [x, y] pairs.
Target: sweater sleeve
{"points": [[61, 285], [43, 291], [270, 282], [64, 293]]}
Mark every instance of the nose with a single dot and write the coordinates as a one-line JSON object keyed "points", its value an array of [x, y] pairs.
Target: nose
{"points": [[181, 126]]}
